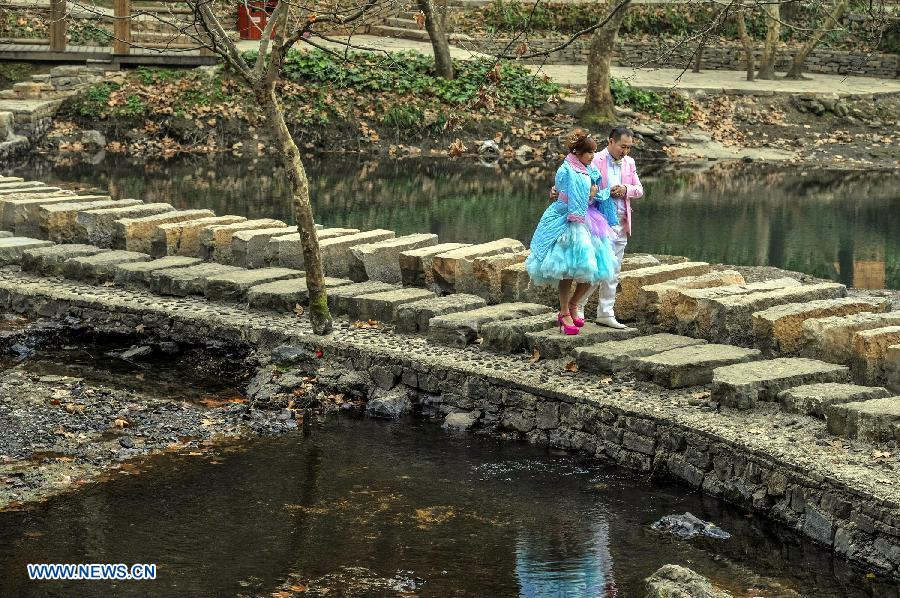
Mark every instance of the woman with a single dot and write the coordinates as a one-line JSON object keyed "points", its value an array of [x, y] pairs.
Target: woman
{"points": [[571, 246]]}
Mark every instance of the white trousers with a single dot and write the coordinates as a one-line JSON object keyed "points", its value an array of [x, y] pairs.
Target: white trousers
{"points": [[607, 289]]}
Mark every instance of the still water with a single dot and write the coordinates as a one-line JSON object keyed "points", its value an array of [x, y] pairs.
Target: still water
{"points": [[842, 225]]}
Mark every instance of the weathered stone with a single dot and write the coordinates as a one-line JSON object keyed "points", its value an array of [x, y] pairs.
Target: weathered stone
{"points": [[287, 250], [100, 267], [183, 237], [487, 275], [391, 405], [57, 223], [98, 227], [656, 302], [461, 421], [48, 261], [462, 328], [613, 356], [635, 262], [743, 384], [508, 336], [215, 240], [630, 283], [12, 248], [674, 581], [29, 190], [186, 281], [26, 214], [382, 306], [516, 285], [249, 247], [136, 275], [233, 286], [5, 234], [690, 366], [452, 270], [415, 264], [15, 207], [136, 234], [870, 352], [831, 339], [780, 329], [340, 298], [381, 260], [413, 317], [892, 367], [336, 251], [552, 343], [814, 399], [872, 421], [285, 295]]}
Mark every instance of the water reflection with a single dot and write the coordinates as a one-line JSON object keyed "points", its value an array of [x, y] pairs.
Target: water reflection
{"points": [[839, 225]]}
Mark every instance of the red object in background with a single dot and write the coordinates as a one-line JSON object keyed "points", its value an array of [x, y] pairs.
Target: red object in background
{"points": [[253, 17]]}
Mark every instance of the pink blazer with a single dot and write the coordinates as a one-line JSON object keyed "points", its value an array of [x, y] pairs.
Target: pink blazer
{"points": [[629, 179]]}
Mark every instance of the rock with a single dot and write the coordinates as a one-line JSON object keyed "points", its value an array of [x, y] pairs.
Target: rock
{"points": [[97, 227], [689, 526], [462, 328], [630, 283], [613, 356], [508, 336], [93, 139], [391, 405], [454, 268], [814, 399], [673, 581], [461, 421], [382, 306], [381, 260], [136, 234], [336, 251], [551, 343], [284, 295], [831, 338], [875, 420], [489, 147], [743, 384], [413, 317], [7, 125], [524, 151], [415, 265], [287, 250], [137, 352], [691, 365]]}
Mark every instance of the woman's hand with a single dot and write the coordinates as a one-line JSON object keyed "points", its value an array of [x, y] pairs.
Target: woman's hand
{"points": [[594, 190]]}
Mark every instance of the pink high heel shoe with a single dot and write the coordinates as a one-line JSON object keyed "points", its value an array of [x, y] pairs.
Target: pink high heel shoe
{"points": [[567, 329], [577, 321]]}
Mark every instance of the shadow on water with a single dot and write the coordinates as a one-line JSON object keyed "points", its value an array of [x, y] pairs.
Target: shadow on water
{"points": [[843, 225]]}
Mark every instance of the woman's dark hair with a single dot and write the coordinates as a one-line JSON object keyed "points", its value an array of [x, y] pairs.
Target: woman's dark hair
{"points": [[580, 141]]}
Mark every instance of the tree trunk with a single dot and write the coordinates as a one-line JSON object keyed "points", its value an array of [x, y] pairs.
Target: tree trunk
{"points": [[796, 70], [443, 64], [599, 107], [747, 43], [773, 35]]}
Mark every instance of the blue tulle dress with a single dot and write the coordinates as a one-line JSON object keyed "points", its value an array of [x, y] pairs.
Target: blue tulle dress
{"points": [[573, 238]]}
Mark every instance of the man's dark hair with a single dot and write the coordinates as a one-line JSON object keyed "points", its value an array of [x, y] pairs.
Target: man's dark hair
{"points": [[617, 132]]}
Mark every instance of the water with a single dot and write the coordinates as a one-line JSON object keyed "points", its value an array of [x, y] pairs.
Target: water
{"points": [[842, 225]]}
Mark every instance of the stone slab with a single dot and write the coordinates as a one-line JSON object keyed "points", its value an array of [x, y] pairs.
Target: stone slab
{"points": [[508, 336], [27, 214], [183, 238], [287, 251], [97, 227], [137, 274], [875, 420], [215, 241], [340, 298], [690, 366], [743, 384], [136, 234], [285, 295], [636, 261], [552, 343], [656, 301], [233, 286], [38, 188], [413, 317], [381, 260], [383, 306], [15, 208], [892, 368], [462, 328], [191, 280], [614, 356], [49, 260], [100, 267], [57, 222], [12, 248], [516, 285], [870, 353], [814, 399], [630, 283], [5, 234], [831, 339], [415, 264], [452, 270], [336, 251], [487, 275], [249, 247]]}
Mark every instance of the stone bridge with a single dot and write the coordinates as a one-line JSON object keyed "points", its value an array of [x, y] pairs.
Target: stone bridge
{"points": [[773, 395]]}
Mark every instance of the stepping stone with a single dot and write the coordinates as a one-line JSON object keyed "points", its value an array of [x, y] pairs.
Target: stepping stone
{"points": [[97, 227], [876, 420], [49, 260], [382, 306], [892, 368], [743, 384], [136, 275], [780, 328], [413, 317], [287, 251], [41, 188], [186, 281], [814, 399], [655, 301], [831, 339], [614, 356], [340, 298], [27, 215], [552, 343], [381, 260], [183, 238], [13, 184], [690, 366], [136, 234], [462, 328], [12, 248], [100, 267], [248, 247], [15, 209], [629, 295], [516, 285], [487, 272], [453, 268], [415, 263], [336, 251], [216, 240], [11, 179], [634, 262], [233, 286], [284, 295], [870, 352], [5, 234], [57, 222], [508, 336]]}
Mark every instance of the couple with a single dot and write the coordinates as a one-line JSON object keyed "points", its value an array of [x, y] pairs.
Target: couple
{"points": [[580, 240]]}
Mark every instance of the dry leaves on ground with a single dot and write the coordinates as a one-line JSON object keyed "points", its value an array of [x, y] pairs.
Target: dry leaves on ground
{"points": [[366, 324], [571, 367]]}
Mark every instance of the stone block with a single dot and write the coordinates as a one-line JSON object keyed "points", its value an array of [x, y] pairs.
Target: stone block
{"points": [[630, 283], [516, 285], [814, 399], [249, 247], [57, 222], [383, 306], [284, 295], [779, 329], [637, 261], [690, 366], [413, 317], [381, 260], [12, 248], [287, 251], [892, 368], [487, 275], [743, 384], [98, 227], [336, 251], [27, 214], [452, 270], [183, 237], [48, 261], [508, 336], [656, 301], [462, 328], [100, 267], [191, 280], [215, 240], [136, 234], [29, 190], [875, 420], [614, 356], [831, 339], [870, 353], [340, 298], [415, 264], [5, 234], [15, 208], [552, 343], [233, 286], [136, 275]]}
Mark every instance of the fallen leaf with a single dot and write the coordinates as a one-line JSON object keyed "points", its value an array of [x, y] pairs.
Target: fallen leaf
{"points": [[703, 394], [298, 309], [73, 408], [121, 423], [535, 356], [571, 367], [420, 19], [139, 328]]}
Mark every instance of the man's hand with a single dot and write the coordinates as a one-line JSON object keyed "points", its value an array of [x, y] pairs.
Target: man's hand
{"points": [[619, 191], [554, 194], [594, 190]]}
